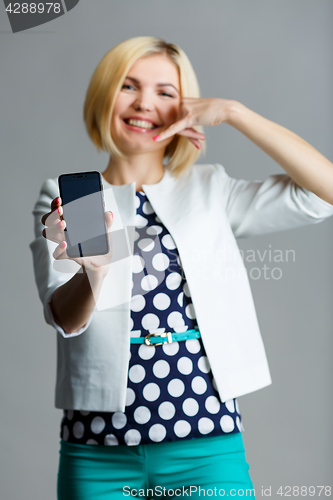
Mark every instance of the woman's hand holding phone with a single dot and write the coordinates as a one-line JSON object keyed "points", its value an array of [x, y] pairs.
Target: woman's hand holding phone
{"points": [[55, 231]]}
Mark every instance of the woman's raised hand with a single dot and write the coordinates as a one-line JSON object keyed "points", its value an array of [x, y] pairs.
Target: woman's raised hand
{"points": [[196, 111], [54, 231]]}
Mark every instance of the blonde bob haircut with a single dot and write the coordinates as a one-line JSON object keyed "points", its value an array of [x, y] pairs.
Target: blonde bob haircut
{"points": [[106, 83]]}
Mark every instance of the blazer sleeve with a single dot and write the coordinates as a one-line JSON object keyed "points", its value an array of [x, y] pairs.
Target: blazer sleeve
{"points": [[275, 204], [49, 273]]}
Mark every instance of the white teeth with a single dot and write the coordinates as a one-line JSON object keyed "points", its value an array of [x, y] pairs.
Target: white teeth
{"points": [[140, 123]]}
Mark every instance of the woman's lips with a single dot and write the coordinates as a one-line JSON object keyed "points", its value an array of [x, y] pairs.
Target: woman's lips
{"points": [[140, 129]]}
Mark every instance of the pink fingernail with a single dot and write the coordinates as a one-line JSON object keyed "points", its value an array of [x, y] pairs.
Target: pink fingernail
{"points": [[63, 244], [111, 213], [156, 137], [198, 147]]}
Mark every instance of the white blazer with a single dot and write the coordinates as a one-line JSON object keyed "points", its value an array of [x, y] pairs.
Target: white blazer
{"points": [[204, 211]]}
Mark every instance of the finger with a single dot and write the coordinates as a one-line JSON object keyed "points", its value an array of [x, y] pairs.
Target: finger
{"points": [[172, 130], [52, 218], [196, 143], [190, 132], [60, 252], [55, 233], [56, 203], [109, 219]]}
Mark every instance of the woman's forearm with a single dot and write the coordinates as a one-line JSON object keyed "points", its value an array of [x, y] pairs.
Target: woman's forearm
{"points": [[73, 303], [302, 162]]}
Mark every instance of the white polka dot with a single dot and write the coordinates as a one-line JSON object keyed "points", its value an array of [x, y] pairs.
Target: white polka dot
{"points": [[190, 407], [166, 410], [146, 352], [110, 440], [84, 413], [173, 281], [157, 219], [149, 282], [135, 333], [180, 299], [227, 423], [205, 425], [186, 290], [160, 261], [78, 430], [154, 230], [70, 414], [65, 433], [193, 345], [230, 405], [119, 420], [146, 244], [175, 320], [171, 349], [161, 301], [185, 365], [237, 406], [97, 425], [136, 373], [92, 441], [147, 208], [157, 432], [176, 387], [238, 423], [161, 368], [140, 221], [168, 242], [199, 385], [189, 311], [132, 437], [138, 302], [136, 235], [142, 414], [150, 321], [130, 396], [138, 264], [203, 364], [182, 428], [137, 201], [212, 404], [151, 391]]}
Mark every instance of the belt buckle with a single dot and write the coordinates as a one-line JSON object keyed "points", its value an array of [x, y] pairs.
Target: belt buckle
{"points": [[166, 334]]}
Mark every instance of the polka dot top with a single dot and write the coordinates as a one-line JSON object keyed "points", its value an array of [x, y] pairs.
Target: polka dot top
{"points": [[171, 392]]}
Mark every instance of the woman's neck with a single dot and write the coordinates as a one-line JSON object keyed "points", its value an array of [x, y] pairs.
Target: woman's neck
{"points": [[143, 169]]}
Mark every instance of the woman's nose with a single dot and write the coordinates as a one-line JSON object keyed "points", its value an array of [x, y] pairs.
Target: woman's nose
{"points": [[143, 102]]}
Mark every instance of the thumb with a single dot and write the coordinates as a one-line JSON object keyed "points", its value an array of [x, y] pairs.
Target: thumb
{"points": [[109, 219]]}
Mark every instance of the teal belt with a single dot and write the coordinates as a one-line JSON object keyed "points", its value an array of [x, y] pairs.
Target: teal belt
{"points": [[166, 338]]}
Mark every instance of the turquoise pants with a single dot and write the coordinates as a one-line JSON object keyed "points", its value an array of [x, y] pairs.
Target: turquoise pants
{"points": [[195, 468]]}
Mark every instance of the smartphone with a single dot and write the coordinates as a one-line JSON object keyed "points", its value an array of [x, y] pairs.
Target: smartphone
{"points": [[84, 212]]}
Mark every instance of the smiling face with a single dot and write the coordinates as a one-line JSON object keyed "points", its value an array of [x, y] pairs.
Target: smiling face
{"points": [[147, 104]]}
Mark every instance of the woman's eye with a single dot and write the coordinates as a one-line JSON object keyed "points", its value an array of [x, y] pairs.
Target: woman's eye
{"points": [[126, 86], [168, 95]]}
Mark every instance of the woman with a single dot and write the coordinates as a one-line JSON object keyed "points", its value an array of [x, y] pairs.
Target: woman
{"points": [[164, 413]]}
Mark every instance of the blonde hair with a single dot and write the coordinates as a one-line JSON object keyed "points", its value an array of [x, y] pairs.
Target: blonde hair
{"points": [[106, 83]]}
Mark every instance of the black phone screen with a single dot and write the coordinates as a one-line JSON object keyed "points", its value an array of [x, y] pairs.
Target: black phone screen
{"points": [[83, 205]]}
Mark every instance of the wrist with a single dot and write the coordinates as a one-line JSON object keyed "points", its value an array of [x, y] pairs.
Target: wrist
{"points": [[234, 111]]}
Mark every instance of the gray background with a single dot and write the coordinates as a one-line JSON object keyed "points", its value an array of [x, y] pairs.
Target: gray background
{"points": [[273, 56]]}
